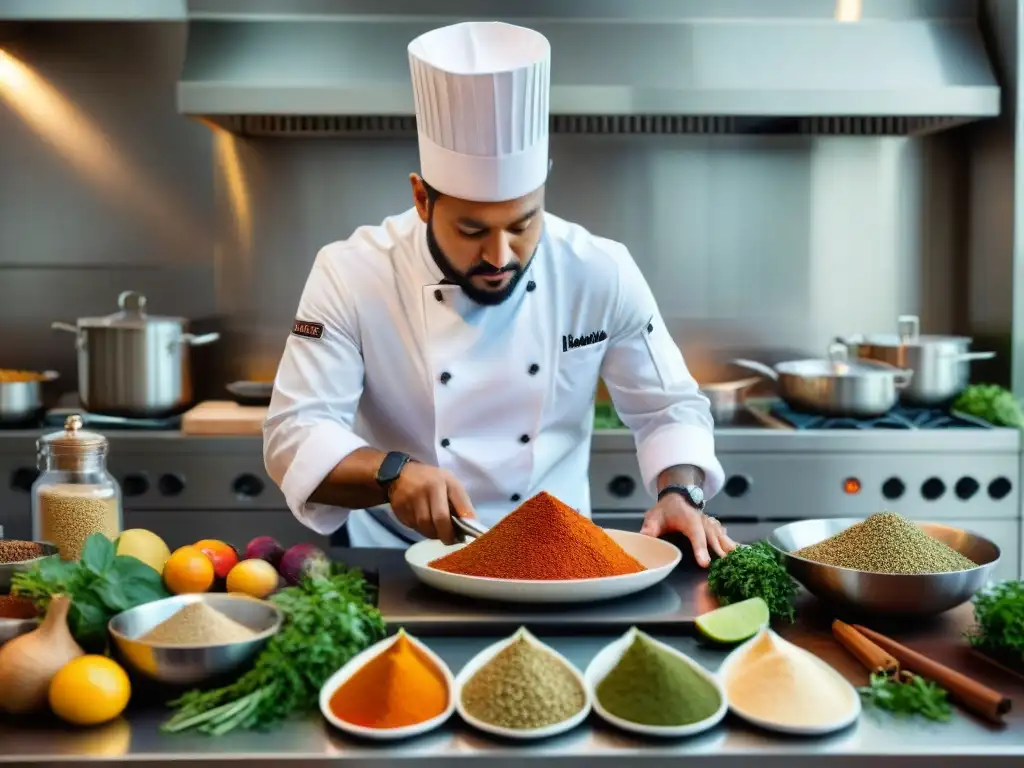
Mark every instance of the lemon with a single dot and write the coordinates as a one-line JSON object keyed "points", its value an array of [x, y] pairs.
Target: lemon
{"points": [[144, 545], [89, 690], [736, 622]]}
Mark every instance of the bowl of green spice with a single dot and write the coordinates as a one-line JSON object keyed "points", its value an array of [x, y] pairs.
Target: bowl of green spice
{"points": [[645, 686], [886, 564]]}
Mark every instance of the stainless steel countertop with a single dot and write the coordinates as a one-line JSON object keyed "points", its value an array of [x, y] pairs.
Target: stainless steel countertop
{"points": [[963, 742]]}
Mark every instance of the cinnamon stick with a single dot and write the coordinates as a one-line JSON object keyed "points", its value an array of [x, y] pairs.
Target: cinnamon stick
{"points": [[874, 658], [970, 694]]}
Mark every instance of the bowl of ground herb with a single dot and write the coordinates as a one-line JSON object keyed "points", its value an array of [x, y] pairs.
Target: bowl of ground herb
{"points": [[642, 685], [190, 639], [886, 564]]}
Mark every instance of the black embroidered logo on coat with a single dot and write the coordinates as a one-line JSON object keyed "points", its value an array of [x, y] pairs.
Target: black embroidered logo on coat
{"points": [[574, 342], [308, 330]]}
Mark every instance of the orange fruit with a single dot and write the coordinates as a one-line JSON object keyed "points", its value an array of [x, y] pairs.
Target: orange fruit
{"points": [[223, 556], [256, 578], [188, 570], [89, 690]]}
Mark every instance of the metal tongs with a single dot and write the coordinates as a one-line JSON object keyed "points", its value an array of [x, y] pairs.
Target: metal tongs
{"points": [[467, 527]]}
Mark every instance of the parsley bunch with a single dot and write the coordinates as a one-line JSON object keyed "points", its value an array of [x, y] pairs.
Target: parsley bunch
{"points": [[912, 695], [100, 586], [754, 571], [999, 619], [328, 620]]}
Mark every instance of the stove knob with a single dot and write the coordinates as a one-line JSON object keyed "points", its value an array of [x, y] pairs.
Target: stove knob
{"points": [[135, 485], [247, 486], [966, 487], [933, 488], [622, 486], [736, 486], [171, 485], [893, 488], [23, 478], [1000, 488]]}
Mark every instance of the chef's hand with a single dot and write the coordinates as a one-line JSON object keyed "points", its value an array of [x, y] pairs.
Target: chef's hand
{"points": [[673, 515], [422, 498]]}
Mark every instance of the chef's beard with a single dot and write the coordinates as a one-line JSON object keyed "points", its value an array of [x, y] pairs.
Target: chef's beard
{"points": [[464, 279]]}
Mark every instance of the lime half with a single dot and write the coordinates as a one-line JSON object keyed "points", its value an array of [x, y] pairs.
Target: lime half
{"points": [[736, 622]]}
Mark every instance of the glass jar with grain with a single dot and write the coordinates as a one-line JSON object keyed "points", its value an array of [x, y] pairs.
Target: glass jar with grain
{"points": [[75, 496]]}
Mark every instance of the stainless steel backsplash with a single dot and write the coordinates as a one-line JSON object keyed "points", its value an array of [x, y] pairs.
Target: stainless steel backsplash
{"points": [[759, 245]]}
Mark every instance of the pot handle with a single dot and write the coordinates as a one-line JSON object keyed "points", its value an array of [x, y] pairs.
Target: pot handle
{"points": [[908, 327], [752, 365], [64, 327], [966, 357], [198, 341], [902, 378]]}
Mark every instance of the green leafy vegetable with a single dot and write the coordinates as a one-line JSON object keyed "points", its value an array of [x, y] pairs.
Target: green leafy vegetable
{"points": [[328, 620], [100, 586], [999, 619], [754, 571], [606, 417], [912, 695], [991, 403]]}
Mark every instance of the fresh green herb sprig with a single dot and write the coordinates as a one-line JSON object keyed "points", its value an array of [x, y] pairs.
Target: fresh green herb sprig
{"points": [[328, 620], [999, 619], [912, 695], [100, 585], [992, 403], [754, 571]]}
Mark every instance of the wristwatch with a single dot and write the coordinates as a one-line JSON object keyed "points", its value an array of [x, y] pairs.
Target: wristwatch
{"points": [[390, 469], [693, 494]]}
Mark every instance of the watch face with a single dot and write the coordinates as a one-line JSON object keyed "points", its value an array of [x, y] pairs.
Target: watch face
{"points": [[696, 494]]}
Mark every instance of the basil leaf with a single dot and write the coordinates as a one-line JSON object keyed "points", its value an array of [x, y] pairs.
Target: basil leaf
{"points": [[88, 618], [98, 554], [138, 582], [113, 595], [53, 570]]}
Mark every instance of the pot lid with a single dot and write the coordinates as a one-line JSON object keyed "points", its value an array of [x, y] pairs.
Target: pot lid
{"points": [[908, 334], [837, 364], [132, 315], [73, 439]]}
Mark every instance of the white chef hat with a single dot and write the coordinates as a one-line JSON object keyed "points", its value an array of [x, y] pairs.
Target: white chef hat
{"points": [[482, 101]]}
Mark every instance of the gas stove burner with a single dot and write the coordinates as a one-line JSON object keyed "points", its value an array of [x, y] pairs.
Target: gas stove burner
{"points": [[56, 418], [899, 418]]}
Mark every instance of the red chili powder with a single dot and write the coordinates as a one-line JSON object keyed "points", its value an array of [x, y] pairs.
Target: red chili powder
{"points": [[541, 540], [12, 607]]}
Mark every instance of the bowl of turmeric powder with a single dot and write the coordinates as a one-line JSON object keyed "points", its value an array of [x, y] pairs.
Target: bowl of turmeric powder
{"points": [[545, 552]]}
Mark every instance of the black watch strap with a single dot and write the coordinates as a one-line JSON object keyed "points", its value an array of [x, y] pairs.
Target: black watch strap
{"points": [[693, 494], [390, 469]]}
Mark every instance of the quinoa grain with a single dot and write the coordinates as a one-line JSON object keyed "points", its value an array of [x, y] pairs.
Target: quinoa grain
{"points": [[69, 514]]}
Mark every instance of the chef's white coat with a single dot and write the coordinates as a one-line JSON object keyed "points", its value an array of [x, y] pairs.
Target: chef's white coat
{"points": [[502, 396]]}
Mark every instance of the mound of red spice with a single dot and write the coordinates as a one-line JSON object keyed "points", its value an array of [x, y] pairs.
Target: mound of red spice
{"points": [[541, 540]]}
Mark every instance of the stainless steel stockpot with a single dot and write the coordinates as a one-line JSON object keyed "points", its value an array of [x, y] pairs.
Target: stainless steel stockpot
{"points": [[835, 386], [941, 364], [133, 364]]}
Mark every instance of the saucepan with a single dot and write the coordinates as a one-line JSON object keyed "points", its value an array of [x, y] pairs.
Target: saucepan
{"points": [[21, 394], [941, 364], [836, 386], [726, 398]]}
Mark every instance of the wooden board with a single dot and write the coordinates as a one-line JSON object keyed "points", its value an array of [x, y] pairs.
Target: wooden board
{"points": [[222, 417]]}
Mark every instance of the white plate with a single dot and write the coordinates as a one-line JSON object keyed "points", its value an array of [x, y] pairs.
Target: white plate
{"points": [[477, 663], [384, 734], [817, 730], [605, 662], [657, 556]]}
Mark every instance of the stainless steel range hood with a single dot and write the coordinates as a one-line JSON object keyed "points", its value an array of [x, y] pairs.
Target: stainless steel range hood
{"points": [[772, 66]]}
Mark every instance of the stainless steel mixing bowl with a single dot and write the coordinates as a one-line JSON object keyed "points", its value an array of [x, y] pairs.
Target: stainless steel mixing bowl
{"points": [[885, 593], [192, 664], [7, 570]]}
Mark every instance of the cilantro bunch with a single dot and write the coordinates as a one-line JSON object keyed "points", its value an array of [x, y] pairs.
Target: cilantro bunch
{"points": [[911, 695], [754, 571], [999, 619], [328, 620], [100, 586]]}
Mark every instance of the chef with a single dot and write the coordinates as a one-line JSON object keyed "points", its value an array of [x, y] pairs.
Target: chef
{"points": [[447, 359]]}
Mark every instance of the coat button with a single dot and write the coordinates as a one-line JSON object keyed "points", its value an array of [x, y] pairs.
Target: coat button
{"points": [[446, 377], [524, 438], [438, 295], [533, 369], [531, 286], [515, 497], [650, 327], [445, 442]]}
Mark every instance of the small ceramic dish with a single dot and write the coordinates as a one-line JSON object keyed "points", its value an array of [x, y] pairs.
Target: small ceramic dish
{"points": [[797, 730], [611, 654], [360, 660], [479, 661]]}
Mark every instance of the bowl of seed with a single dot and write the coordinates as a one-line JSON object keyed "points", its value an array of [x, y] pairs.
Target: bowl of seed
{"points": [[886, 564], [192, 639], [17, 556]]}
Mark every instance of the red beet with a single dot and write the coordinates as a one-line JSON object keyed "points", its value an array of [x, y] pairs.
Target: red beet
{"points": [[303, 559], [265, 548]]}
